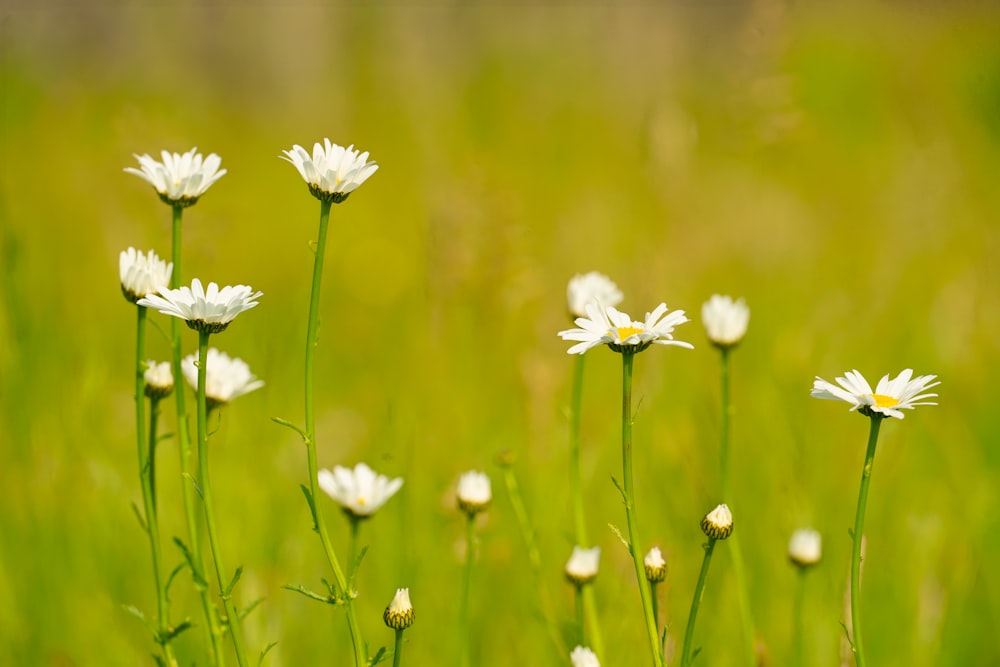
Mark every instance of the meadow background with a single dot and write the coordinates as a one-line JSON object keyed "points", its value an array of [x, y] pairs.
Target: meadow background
{"points": [[837, 167]]}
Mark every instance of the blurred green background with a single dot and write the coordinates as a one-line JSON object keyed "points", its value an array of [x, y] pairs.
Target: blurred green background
{"points": [[835, 166]]}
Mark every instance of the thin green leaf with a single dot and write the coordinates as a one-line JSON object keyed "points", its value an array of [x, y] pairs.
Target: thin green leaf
{"points": [[264, 652], [232, 584], [249, 608], [285, 422], [142, 520], [299, 588], [312, 506]]}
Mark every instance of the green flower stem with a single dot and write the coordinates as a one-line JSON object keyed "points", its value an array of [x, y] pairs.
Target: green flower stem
{"points": [[859, 529], [147, 479], [206, 495], [635, 546], [213, 632], [581, 633], [310, 440], [746, 614], [534, 556], [353, 553], [470, 551], [397, 650], [576, 491], [575, 481], [798, 625], [696, 602], [656, 604]]}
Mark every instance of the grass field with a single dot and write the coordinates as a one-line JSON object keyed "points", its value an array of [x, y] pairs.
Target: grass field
{"points": [[837, 168]]}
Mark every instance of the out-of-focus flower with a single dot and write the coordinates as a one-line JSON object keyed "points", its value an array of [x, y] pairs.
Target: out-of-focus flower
{"points": [[474, 492], [583, 657], [725, 320], [226, 377], [581, 568], [805, 548], [360, 491], [593, 287], [159, 379]]}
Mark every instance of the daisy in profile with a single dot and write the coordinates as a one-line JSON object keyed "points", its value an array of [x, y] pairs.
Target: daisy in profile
{"points": [[180, 180], [332, 172], [141, 274], [206, 310], [890, 396], [593, 287], [611, 327], [360, 492], [226, 378], [888, 399]]}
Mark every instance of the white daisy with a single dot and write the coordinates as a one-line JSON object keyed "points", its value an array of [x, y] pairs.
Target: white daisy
{"points": [[607, 326], [226, 378], [474, 492], [399, 614], [889, 397], [805, 548], [209, 309], [180, 179], [581, 568], [332, 171], [584, 288], [583, 657], [159, 379], [725, 320], [360, 491], [141, 274]]}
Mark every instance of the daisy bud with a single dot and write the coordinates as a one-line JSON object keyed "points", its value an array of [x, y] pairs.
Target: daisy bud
{"points": [[718, 524], [656, 567], [474, 492], [159, 379], [399, 614], [581, 568], [805, 548]]}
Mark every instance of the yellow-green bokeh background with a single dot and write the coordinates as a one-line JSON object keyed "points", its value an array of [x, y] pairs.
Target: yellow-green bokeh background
{"points": [[837, 168]]}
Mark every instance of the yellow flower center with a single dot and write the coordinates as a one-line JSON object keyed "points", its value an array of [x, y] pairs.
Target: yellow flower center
{"points": [[625, 332], [361, 501], [883, 401]]}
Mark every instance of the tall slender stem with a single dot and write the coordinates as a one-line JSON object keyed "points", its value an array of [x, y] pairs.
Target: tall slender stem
{"points": [[581, 633], [310, 441], [205, 485], [635, 546], [696, 603], [798, 624], [746, 614], [147, 480], [397, 650], [859, 529], [575, 477], [470, 552], [213, 632], [591, 616]]}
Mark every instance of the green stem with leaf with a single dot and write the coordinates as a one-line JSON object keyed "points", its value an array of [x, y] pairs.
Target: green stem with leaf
{"points": [[205, 486]]}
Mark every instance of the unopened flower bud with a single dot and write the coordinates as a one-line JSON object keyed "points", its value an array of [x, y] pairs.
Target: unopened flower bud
{"points": [[399, 614], [718, 524], [805, 548], [581, 568], [656, 567]]}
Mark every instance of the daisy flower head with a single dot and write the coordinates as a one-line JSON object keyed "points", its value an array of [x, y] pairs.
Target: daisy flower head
{"points": [[805, 548], [608, 326], [583, 657], [399, 614], [205, 310], [360, 492], [226, 377], [142, 274], [474, 492], [332, 171], [159, 379], [584, 288], [581, 568], [180, 180], [725, 320], [888, 398]]}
